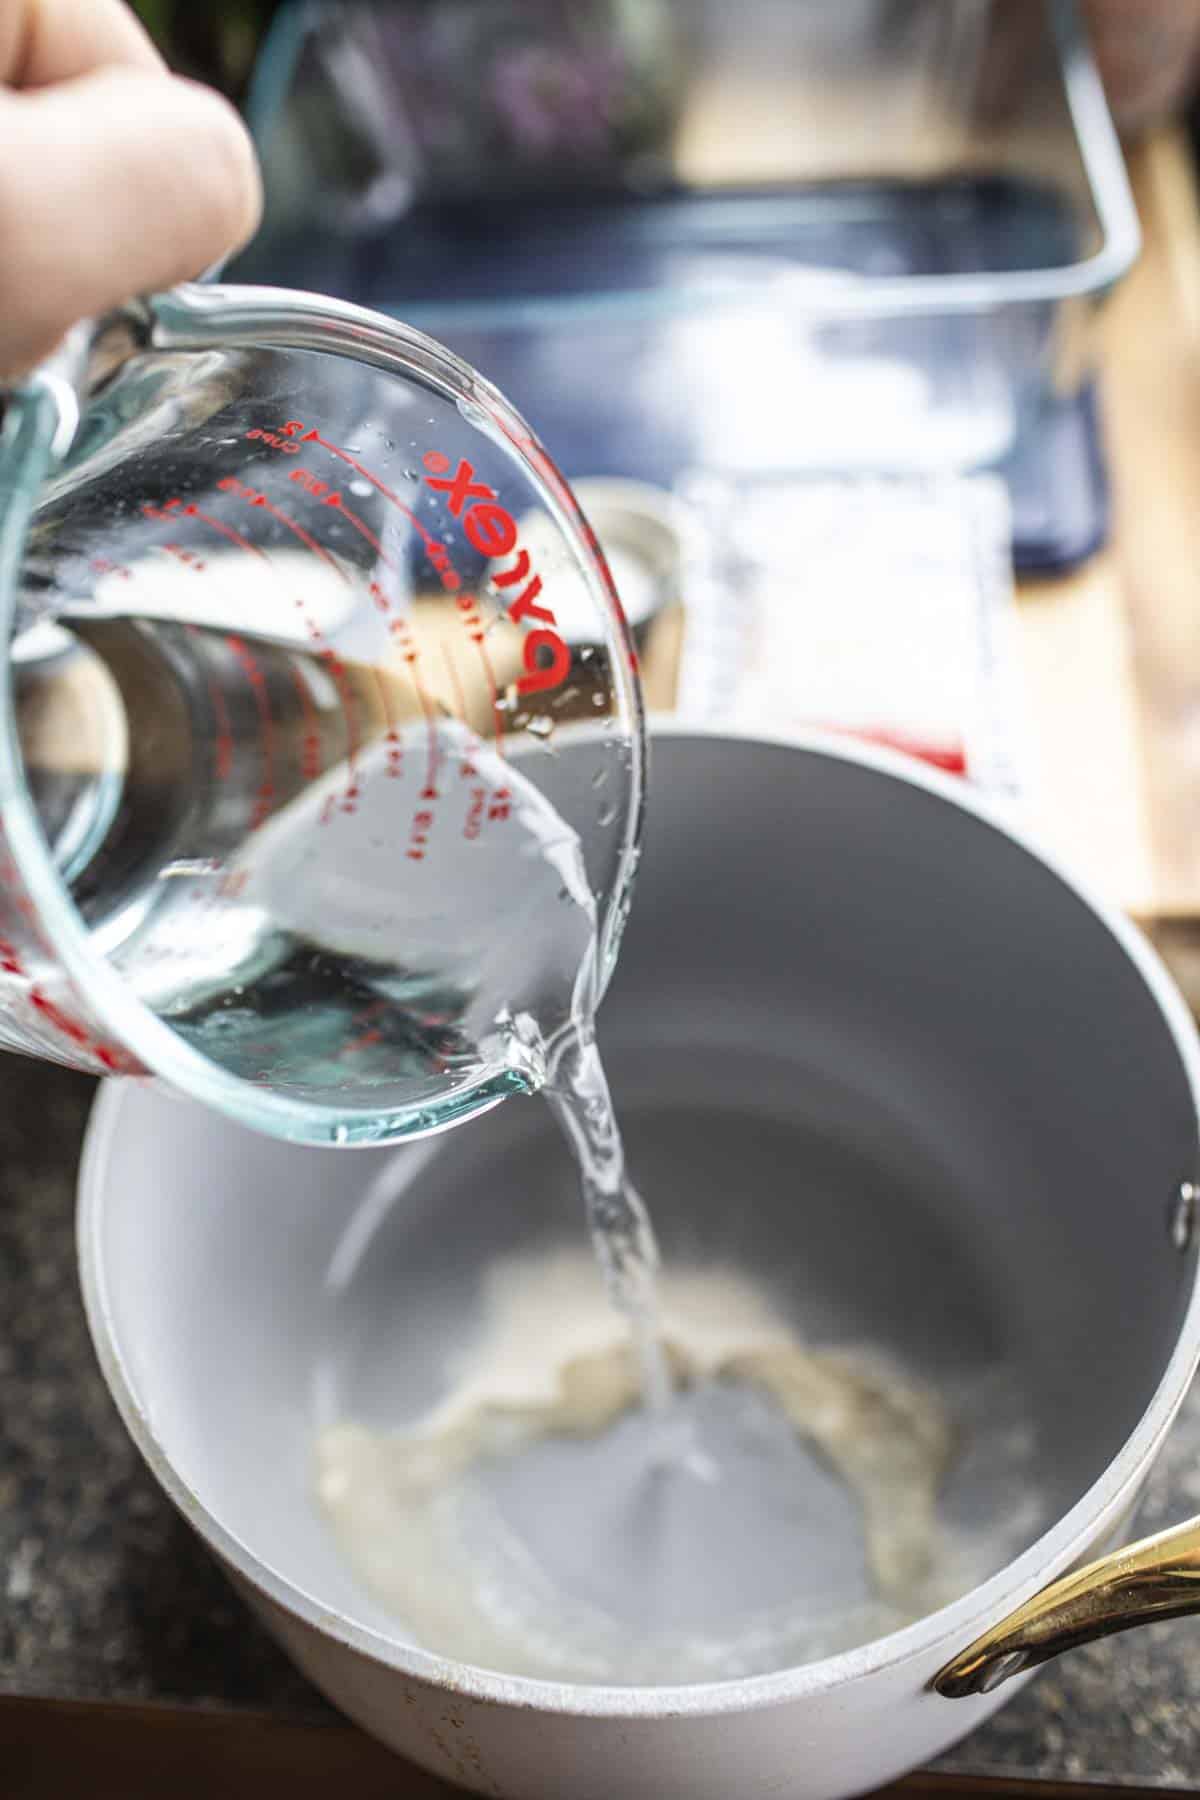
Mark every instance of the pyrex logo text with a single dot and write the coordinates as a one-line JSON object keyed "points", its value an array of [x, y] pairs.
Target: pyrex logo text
{"points": [[491, 529]]}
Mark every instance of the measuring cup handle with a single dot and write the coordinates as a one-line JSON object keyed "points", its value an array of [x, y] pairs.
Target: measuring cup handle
{"points": [[63, 376]]}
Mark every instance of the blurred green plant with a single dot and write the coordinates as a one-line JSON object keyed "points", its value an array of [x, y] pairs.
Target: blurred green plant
{"points": [[216, 43]]}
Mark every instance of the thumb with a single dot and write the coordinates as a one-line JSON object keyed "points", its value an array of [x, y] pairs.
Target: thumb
{"points": [[119, 182]]}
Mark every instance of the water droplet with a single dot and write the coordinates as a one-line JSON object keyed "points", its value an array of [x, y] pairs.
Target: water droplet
{"points": [[361, 488], [607, 813], [587, 653], [353, 449], [995, 1674], [540, 727], [410, 475], [599, 700], [341, 1134], [600, 777], [224, 1024], [1181, 1218]]}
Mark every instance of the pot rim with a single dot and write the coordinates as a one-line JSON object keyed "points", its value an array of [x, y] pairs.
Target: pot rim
{"points": [[1065, 1543]]}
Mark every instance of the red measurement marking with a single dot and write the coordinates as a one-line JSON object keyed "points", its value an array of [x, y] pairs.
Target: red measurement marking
{"points": [[68, 1027], [325, 653], [494, 692], [391, 725], [108, 1056], [13, 886], [372, 1010], [439, 556], [227, 531], [361, 526], [468, 769], [264, 799], [275, 442], [294, 428], [402, 632], [224, 742], [476, 631], [183, 555], [229, 484], [437, 552], [366, 1033], [11, 963], [475, 815], [418, 837], [310, 743], [100, 565], [292, 433], [337, 669], [166, 511], [174, 507], [216, 699], [327, 496], [395, 755], [311, 756]]}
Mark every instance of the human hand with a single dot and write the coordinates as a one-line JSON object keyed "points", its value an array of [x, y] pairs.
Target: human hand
{"points": [[116, 178], [1147, 51]]}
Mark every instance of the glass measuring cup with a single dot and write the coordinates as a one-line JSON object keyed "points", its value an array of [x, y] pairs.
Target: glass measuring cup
{"points": [[289, 810]]}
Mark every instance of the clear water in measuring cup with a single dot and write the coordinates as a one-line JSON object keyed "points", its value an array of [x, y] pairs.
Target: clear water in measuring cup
{"points": [[332, 731], [289, 952]]}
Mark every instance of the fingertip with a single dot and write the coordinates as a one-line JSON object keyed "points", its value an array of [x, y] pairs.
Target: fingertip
{"points": [[232, 185], [121, 182], [22, 351]]}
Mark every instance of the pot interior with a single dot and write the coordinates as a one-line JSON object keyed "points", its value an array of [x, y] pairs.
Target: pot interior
{"points": [[866, 1050]]}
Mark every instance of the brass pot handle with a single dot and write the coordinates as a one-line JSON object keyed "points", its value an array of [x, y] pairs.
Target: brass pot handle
{"points": [[1157, 1578]]}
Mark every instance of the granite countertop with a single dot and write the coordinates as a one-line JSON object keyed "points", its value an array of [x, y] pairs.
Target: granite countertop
{"points": [[109, 1597]]}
